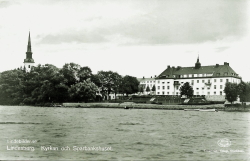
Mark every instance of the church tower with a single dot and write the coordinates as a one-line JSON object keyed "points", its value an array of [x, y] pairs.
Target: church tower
{"points": [[29, 61], [197, 64]]}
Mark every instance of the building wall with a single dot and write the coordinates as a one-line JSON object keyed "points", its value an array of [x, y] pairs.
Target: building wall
{"points": [[150, 82], [28, 66], [200, 85]]}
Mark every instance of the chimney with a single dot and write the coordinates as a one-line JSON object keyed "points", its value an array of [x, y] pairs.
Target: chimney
{"points": [[143, 77], [151, 76], [155, 75], [225, 63], [178, 67], [217, 65]]}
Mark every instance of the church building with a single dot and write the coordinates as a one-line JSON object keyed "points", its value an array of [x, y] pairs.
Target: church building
{"points": [[28, 61]]}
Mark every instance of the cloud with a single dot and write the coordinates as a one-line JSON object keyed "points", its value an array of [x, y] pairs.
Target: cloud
{"points": [[4, 4], [155, 22], [220, 49], [71, 37]]}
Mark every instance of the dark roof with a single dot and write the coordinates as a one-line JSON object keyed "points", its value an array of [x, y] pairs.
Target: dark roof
{"points": [[145, 79], [215, 71]]}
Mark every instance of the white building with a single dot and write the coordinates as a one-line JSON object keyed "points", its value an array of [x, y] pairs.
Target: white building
{"points": [[205, 80], [147, 82]]}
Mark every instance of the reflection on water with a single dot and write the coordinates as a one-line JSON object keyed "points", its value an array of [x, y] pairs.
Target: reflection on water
{"points": [[130, 134]]}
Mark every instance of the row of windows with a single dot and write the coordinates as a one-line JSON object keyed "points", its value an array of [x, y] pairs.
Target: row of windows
{"points": [[203, 81], [197, 93], [148, 82], [177, 87], [198, 75]]}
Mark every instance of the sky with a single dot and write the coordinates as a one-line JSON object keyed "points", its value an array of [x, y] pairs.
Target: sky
{"points": [[130, 37]]}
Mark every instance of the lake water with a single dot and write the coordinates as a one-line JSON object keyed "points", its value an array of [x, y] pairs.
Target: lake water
{"points": [[137, 134]]}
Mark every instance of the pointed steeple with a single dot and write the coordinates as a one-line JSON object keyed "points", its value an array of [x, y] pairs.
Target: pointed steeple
{"points": [[29, 52], [197, 64], [29, 44]]}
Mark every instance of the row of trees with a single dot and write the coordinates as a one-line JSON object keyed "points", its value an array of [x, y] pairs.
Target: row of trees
{"points": [[231, 90], [44, 84]]}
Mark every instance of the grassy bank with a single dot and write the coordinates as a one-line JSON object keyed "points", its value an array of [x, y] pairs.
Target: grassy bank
{"points": [[142, 106]]}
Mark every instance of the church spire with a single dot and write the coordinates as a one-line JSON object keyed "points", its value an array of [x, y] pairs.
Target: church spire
{"points": [[197, 64], [29, 44]]}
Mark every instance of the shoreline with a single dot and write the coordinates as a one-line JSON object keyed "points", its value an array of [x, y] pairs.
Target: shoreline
{"points": [[142, 106], [132, 105]]}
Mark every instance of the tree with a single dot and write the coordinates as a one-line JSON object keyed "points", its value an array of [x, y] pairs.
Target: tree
{"points": [[45, 84], [231, 91], [242, 91], [141, 89], [83, 91], [130, 85], [109, 81], [186, 90], [71, 73], [84, 73], [11, 87], [153, 89], [147, 89]]}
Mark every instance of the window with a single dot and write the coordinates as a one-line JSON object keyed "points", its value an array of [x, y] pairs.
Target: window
{"points": [[147, 81], [226, 80], [197, 93], [158, 87], [177, 93], [197, 81], [202, 88], [209, 81], [192, 75], [192, 83], [226, 73], [214, 86], [220, 86], [221, 80], [220, 92], [208, 88], [218, 74], [168, 82], [29, 66], [163, 87], [214, 93], [197, 88], [168, 93], [158, 81], [168, 87], [214, 80], [208, 93], [163, 93], [150, 81], [177, 87], [158, 92], [203, 81]]}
